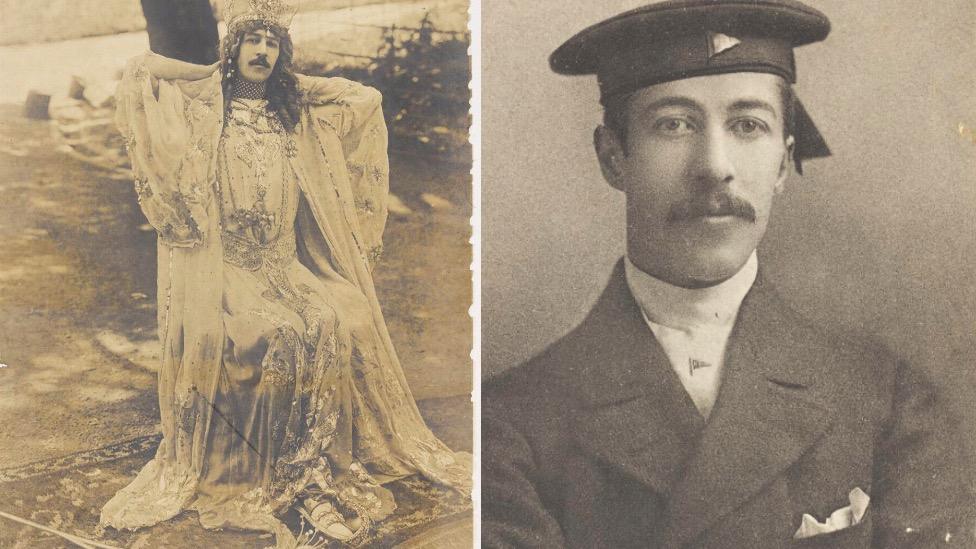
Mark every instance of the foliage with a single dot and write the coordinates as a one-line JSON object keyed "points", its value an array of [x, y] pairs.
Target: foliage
{"points": [[424, 82]]}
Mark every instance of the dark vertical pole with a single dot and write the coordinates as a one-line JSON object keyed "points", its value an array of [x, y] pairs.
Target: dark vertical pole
{"points": [[182, 29]]}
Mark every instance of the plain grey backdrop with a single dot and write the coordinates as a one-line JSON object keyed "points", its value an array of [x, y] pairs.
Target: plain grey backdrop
{"points": [[880, 238]]}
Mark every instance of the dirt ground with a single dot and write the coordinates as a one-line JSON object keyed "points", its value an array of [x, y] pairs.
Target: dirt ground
{"points": [[77, 300]]}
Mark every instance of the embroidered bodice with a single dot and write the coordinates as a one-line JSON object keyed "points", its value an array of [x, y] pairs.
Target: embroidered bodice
{"points": [[258, 188]]}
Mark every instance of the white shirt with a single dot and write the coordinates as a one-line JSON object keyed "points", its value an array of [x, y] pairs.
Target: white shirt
{"points": [[693, 325]]}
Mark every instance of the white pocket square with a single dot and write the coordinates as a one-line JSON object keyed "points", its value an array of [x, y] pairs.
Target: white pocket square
{"points": [[844, 517]]}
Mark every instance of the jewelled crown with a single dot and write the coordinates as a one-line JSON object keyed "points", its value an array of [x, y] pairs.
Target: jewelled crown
{"points": [[277, 13]]}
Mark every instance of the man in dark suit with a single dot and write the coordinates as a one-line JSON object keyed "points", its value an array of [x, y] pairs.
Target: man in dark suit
{"points": [[692, 408]]}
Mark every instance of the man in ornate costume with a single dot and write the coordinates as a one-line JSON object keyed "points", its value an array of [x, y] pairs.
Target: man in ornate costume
{"points": [[279, 385]]}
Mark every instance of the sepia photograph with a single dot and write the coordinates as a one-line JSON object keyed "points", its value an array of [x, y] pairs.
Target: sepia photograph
{"points": [[235, 274], [728, 295]]}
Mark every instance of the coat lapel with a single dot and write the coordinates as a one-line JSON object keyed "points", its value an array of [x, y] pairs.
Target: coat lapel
{"points": [[640, 420], [765, 418]]}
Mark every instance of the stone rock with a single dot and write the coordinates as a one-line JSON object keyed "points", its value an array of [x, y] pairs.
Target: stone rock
{"points": [[397, 207], [36, 105], [100, 94], [435, 202]]}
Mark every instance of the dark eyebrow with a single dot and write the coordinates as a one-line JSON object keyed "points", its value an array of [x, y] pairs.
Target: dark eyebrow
{"points": [[752, 104], [256, 35], [673, 101]]}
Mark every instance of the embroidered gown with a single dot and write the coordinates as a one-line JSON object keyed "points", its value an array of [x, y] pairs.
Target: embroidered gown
{"points": [[278, 376]]}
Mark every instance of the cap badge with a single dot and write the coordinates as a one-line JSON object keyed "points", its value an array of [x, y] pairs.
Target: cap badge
{"points": [[718, 43]]}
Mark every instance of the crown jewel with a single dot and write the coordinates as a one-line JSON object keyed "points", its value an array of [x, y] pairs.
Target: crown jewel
{"points": [[273, 12]]}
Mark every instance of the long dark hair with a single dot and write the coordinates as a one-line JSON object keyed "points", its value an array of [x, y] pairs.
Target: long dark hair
{"points": [[284, 98]]}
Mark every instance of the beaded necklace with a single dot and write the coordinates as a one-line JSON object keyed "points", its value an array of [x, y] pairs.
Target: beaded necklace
{"points": [[245, 89]]}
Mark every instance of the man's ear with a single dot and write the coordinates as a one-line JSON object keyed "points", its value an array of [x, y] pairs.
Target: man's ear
{"points": [[786, 168], [610, 152]]}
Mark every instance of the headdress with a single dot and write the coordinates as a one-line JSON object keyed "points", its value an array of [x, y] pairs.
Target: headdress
{"points": [[274, 13]]}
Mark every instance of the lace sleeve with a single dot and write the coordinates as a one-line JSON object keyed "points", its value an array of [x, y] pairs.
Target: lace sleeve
{"points": [[170, 130], [355, 113]]}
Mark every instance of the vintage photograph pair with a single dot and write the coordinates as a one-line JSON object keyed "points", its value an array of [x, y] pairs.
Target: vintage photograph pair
{"points": [[668, 274]]}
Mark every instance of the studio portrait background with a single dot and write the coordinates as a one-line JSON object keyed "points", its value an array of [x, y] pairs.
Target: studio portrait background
{"points": [[877, 239]]}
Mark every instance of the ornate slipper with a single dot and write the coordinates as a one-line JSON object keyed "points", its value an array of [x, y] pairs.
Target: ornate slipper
{"points": [[324, 517]]}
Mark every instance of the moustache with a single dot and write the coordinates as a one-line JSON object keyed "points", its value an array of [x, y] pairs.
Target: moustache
{"points": [[720, 204], [260, 62]]}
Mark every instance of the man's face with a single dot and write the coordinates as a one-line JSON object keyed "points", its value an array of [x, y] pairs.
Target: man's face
{"points": [[258, 55], [702, 161]]}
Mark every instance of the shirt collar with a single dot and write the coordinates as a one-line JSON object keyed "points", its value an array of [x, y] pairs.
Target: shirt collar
{"points": [[689, 309]]}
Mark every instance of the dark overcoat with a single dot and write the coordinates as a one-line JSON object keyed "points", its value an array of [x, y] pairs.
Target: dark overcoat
{"points": [[595, 443]]}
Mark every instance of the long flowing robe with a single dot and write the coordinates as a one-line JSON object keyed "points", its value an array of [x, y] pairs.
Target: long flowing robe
{"points": [[278, 374]]}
